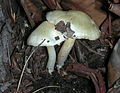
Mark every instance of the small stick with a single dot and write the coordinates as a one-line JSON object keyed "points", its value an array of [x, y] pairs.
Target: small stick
{"points": [[26, 65], [45, 87]]}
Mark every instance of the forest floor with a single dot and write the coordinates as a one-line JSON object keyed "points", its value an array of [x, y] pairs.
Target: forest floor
{"points": [[85, 70]]}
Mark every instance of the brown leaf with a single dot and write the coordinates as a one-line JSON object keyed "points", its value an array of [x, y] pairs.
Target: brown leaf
{"points": [[91, 7], [114, 65], [52, 4], [115, 8], [33, 13], [116, 1]]}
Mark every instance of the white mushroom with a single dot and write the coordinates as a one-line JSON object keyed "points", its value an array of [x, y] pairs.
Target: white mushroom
{"points": [[52, 37], [80, 23]]}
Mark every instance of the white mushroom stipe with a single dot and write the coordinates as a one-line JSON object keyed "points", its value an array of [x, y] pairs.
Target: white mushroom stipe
{"points": [[65, 50], [51, 59]]}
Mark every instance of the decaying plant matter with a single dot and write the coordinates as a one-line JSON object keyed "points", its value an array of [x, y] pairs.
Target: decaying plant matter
{"points": [[86, 62], [115, 8], [113, 70]]}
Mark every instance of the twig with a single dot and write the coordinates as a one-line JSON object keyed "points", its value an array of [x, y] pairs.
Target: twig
{"points": [[26, 65], [72, 58], [95, 81], [91, 49], [45, 87]]}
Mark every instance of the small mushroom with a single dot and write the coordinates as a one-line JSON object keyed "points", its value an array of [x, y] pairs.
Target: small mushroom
{"points": [[80, 23], [46, 31]]}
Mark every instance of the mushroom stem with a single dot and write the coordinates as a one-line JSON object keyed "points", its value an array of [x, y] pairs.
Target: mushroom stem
{"points": [[64, 51], [51, 59]]}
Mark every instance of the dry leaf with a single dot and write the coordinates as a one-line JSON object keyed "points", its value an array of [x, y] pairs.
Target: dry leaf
{"points": [[116, 1], [115, 8], [33, 13], [91, 7], [114, 65], [52, 4]]}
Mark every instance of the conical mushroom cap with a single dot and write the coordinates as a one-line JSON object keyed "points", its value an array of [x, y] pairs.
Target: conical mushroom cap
{"points": [[83, 26], [45, 31]]}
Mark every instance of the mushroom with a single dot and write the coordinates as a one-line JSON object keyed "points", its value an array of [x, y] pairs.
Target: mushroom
{"points": [[82, 26], [46, 31]]}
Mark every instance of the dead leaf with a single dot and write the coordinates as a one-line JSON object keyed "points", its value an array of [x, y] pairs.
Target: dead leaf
{"points": [[114, 65], [116, 1], [91, 7], [53, 4], [33, 13], [115, 8]]}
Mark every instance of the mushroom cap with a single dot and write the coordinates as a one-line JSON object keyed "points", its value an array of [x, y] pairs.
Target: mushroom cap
{"points": [[83, 26], [45, 31]]}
